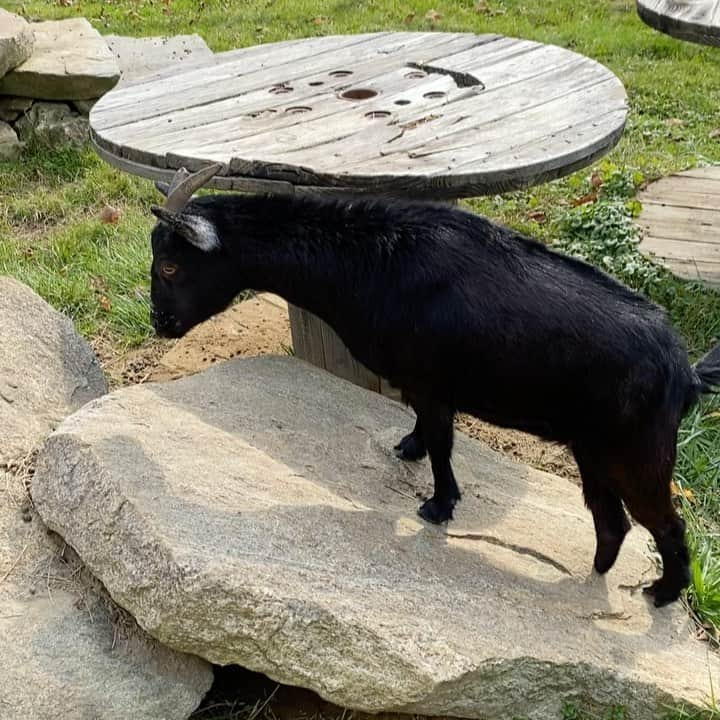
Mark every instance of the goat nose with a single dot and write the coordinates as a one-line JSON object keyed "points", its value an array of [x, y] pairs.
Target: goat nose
{"points": [[161, 319]]}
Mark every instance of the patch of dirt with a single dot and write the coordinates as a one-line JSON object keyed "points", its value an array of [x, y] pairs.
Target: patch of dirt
{"points": [[260, 326], [257, 326], [524, 448]]}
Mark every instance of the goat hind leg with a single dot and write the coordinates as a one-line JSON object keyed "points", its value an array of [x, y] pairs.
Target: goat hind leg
{"points": [[611, 522], [650, 502]]}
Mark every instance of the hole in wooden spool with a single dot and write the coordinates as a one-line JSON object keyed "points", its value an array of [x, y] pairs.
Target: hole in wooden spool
{"points": [[280, 89], [415, 75], [315, 83], [340, 73], [359, 94], [298, 109], [378, 114], [402, 102], [434, 95]]}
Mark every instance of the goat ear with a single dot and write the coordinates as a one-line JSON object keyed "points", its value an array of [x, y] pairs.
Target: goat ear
{"points": [[197, 230]]}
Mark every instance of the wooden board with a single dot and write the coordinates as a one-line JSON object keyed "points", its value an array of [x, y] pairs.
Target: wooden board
{"points": [[680, 221], [447, 115], [693, 20]]}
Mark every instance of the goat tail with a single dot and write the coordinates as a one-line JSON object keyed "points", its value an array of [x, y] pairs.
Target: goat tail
{"points": [[707, 371]]}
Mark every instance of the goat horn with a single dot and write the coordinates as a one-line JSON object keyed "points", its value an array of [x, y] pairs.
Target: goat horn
{"points": [[183, 186], [168, 189]]}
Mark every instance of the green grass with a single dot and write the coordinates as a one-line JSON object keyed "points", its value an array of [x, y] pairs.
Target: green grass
{"points": [[53, 237]]}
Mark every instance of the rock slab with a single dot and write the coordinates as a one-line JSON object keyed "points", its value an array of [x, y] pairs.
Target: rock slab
{"points": [[255, 514], [16, 41], [12, 107], [46, 370], [71, 61], [10, 146], [140, 57], [65, 650], [53, 124]]}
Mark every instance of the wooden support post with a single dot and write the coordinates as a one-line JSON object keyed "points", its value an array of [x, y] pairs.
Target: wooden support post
{"points": [[316, 342]]}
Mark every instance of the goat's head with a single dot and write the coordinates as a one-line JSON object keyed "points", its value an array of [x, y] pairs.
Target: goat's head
{"points": [[190, 276]]}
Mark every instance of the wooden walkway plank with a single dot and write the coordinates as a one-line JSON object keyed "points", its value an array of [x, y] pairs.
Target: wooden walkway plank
{"points": [[680, 221]]}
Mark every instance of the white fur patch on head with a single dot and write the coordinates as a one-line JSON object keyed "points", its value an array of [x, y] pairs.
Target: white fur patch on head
{"points": [[201, 233]]}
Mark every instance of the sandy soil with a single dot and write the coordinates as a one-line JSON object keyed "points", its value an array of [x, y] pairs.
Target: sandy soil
{"points": [[260, 326]]}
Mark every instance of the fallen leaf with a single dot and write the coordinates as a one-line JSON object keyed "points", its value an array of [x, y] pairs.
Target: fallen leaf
{"points": [[66, 3], [584, 200], [320, 20], [715, 134], [674, 122], [596, 180], [110, 215], [433, 16], [538, 216], [482, 7], [676, 490], [409, 18], [105, 303]]}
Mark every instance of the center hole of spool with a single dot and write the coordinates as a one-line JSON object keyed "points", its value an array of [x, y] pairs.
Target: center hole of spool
{"points": [[359, 94]]}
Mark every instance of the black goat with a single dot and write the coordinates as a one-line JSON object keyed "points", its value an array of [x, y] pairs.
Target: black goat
{"points": [[461, 315]]}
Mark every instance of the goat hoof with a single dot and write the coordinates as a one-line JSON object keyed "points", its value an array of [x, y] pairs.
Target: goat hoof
{"points": [[410, 448], [606, 555], [662, 592], [436, 511]]}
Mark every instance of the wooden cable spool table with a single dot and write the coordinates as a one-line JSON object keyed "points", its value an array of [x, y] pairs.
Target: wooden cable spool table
{"points": [[692, 20], [422, 115]]}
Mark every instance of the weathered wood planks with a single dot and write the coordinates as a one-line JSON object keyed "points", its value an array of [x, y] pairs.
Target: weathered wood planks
{"points": [[680, 221], [693, 20], [280, 113]]}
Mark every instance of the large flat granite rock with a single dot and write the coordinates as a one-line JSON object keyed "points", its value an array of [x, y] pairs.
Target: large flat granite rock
{"points": [[255, 514]]}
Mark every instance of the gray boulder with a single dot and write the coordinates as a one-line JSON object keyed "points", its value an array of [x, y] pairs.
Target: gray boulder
{"points": [[16, 41], [140, 57], [84, 106], [71, 61], [46, 370], [53, 124], [66, 650], [255, 514], [11, 107], [10, 146]]}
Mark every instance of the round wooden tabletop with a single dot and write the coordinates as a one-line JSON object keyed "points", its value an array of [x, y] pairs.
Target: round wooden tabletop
{"points": [[439, 115], [693, 20]]}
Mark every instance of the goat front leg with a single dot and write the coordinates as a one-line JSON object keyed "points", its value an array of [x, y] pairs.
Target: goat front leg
{"points": [[436, 423], [412, 446]]}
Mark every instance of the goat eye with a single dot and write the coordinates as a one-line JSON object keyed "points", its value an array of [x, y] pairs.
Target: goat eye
{"points": [[168, 269]]}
